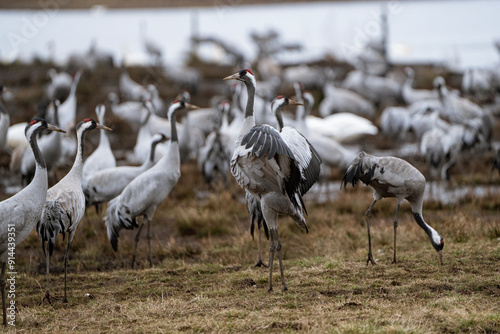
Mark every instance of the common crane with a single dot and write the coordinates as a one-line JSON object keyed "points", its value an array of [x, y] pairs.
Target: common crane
{"points": [[65, 205], [142, 196], [19, 213], [275, 167], [392, 177]]}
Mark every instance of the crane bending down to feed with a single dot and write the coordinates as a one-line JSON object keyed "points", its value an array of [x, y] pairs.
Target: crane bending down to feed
{"points": [[392, 177], [65, 204], [276, 167], [19, 213], [143, 194]]}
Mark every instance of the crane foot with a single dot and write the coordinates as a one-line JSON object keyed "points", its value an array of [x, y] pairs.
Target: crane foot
{"points": [[48, 297], [370, 259], [260, 264]]}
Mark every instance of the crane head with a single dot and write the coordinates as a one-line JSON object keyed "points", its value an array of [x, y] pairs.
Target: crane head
{"points": [[241, 75], [91, 124], [283, 101], [37, 124]]}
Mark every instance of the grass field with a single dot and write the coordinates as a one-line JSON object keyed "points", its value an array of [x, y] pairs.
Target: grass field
{"points": [[203, 278]]}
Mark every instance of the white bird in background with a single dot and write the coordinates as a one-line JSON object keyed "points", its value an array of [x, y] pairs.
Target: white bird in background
{"points": [[145, 134], [4, 125], [432, 148], [442, 147], [459, 110], [374, 88], [130, 111], [395, 122], [130, 89], [142, 196], [332, 153], [59, 86], [411, 95], [344, 127], [191, 140], [108, 183], [102, 157], [65, 204], [426, 120], [50, 146], [67, 109], [19, 213], [213, 158], [478, 83], [392, 177], [339, 99], [158, 104], [276, 167]]}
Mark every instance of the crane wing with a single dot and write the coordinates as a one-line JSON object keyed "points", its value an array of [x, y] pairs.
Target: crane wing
{"points": [[306, 156], [260, 174]]}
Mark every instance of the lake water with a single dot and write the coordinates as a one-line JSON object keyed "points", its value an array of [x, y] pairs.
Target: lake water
{"points": [[458, 33]]}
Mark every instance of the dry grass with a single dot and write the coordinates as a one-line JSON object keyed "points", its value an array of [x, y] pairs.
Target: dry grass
{"points": [[203, 279]]}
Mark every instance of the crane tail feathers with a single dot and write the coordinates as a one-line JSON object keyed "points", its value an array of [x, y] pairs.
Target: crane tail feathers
{"points": [[52, 222], [118, 217], [362, 168]]}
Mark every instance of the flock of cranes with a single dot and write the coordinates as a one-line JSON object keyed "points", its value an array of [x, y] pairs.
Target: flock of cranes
{"points": [[275, 157]]}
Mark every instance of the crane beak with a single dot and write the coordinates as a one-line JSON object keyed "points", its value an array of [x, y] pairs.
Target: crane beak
{"points": [[235, 76], [441, 256], [8, 90], [102, 127], [290, 102], [190, 106], [51, 127]]}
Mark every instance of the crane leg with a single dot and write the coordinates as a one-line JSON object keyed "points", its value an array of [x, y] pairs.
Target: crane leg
{"points": [[2, 286], [150, 258], [271, 257], [367, 214], [260, 263], [135, 246], [47, 296], [395, 228], [66, 255], [280, 258]]}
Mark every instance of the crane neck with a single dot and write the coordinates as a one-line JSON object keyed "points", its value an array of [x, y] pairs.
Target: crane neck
{"points": [[39, 181], [249, 111], [78, 164], [152, 150], [279, 117], [173, 126], [434, 237], [39, 159], [409, 80], [3, 110], [103, 139]]}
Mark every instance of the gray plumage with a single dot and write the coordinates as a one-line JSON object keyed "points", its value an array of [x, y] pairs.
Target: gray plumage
{"points": [[142, 195], [102, 157], [108, 183], [275, 167], [19, 213], [65, 204], [392, 177], [4, 125]]}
